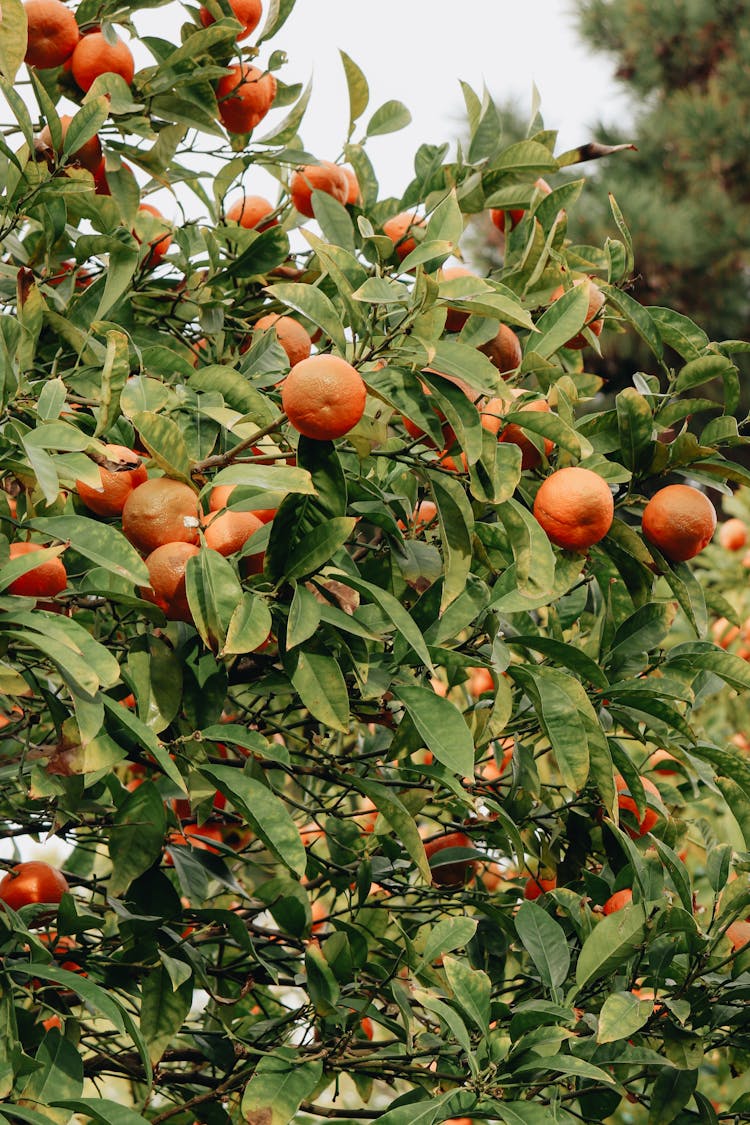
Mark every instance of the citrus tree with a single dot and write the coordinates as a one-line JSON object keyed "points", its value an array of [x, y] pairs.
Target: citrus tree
{"points": [[350, 654]]}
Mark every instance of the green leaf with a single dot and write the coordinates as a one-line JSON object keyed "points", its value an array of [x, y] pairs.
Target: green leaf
{"points": [[472, 990], [442, 727], [321, 686], [544, 940], [85, 124], [266, 251], [280, 1083], [304, 617], [456, 525], [447, 935], [136, 841], [265, 813], [532, 551], [313, 304], [703, 370], [318, 547], [394, 611], [214, 594], [613, 942], [637, 316], [333, 219], [60, 1075], [164, 441], [163, 1010], [388, 118], [563, 320], [249, 625], [670, 1093], [102, 543], [16, 568], [635, 425], [399, 818], [13, 37], [359, 91], [446, 222], [103, 1111], [525, 156], [621, 1016]]}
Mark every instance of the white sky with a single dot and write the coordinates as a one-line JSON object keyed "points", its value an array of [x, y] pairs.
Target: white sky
{"points": [[417, 51]]}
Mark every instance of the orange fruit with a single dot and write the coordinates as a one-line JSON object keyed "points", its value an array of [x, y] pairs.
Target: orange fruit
{"points": [[627, 804], [458, 873], [250, 210], [52, 1022], [228, 531], [480, 681], [575, 508], [44, 581], [326, 177], [94, 56], [723, 633], [53, 33], [294, 339], [513, 433], [617, 901], [680, 521], [354, 195], [33, 881], [593, 319], [161, 242], [89, 155], [196, 836], [503, 350], [659, 762], [399, 229], [455, 319], [248, 12], [739, 934], [245, 96], [166, 571], [323, 397], [423, 516], [161, 511], [116, 486], [733, 535], [536, 887]]}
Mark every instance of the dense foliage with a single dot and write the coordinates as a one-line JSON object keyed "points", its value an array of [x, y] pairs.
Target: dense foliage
{"points": [[345, 819]]}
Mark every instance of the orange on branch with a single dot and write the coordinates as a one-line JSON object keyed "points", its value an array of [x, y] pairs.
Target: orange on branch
{"points": [[680, 521], [617, 901], [503, 350], [293, 338], [161, 511], [245, 96], [161, 242], [44, 581], [166, 571], [326, 177], [456, 873], [116, 485], [246, 12], [250, 211], [399, 229], [575, 507], [53, 33], [33, 881], [626, 803], [95, 56], [733, 535], [227, 532], [88, 156], [323, 397]]}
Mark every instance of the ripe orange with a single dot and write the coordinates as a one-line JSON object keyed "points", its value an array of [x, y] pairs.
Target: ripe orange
{"points": [[536, 887], [196, 836], [723, 633], [514, 433], [680, 521], [458, 873], [250, 210], [245, 96], [166, 570], [515, 215], [480, 681], [423, 516], [399, 230], [593, 319], [116, 486], [455, 319], [32, 882], [575, 508], [89, 155], [161, 242], [739, 934], [94, 56], [294, 339], [354, 195], [627, 804], [326, 177], [733, 535], [53, 33], [228, 531], [503, 350], [617, 901], [44, 581], [248, 12], [323, 397], [659, 761], [161, 511]]}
